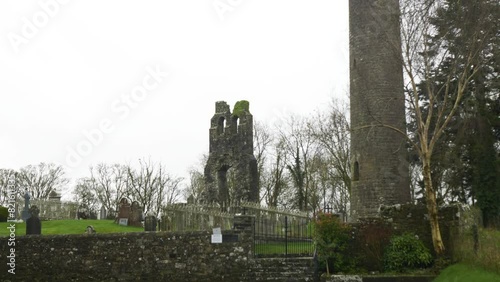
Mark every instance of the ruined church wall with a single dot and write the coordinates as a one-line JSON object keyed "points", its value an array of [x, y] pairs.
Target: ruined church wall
{"points": [[231, 148]]}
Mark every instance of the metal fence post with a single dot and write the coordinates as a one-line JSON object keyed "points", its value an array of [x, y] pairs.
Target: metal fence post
{"points": [[286, 236], [254, 236]]}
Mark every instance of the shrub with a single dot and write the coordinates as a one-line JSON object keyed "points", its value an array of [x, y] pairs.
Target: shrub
{"points": [[4, 214], [332, 237], [406, 252], [374, 237]]}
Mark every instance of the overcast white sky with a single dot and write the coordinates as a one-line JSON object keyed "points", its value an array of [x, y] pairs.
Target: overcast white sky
{"points": [[70, 67]]}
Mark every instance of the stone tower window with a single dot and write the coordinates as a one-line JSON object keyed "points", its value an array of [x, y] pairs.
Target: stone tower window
{"points": [[236, 122], [221, 126], [355, 176]]}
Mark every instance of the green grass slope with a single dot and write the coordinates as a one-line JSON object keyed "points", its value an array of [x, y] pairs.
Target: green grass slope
{"points": [[70, 227], [466, 273]]}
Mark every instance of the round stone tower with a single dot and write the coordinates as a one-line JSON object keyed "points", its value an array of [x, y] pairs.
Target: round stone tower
{"points": [[379, 154]]}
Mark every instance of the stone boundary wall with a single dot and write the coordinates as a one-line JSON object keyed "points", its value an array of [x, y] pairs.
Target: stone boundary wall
{"points": [[370, 236], [415, 219], [141, 256]]}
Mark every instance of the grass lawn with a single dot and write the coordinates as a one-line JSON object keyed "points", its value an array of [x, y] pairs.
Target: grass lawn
{"points": [[466, 273], [279, 248], [70, 226]]}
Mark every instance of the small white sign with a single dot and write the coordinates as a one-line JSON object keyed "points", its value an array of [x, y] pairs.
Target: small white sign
{"points": [[216, 238], [123, 221], [217, 230]]}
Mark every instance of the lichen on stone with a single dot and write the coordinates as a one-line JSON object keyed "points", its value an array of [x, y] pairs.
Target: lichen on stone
{"points": [[240, 107]]}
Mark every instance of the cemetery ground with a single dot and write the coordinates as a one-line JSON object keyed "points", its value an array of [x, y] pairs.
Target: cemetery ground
{"points": [[71, 226]]}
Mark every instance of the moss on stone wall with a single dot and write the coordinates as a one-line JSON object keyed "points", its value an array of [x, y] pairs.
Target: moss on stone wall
{"points": [[240, 107]]}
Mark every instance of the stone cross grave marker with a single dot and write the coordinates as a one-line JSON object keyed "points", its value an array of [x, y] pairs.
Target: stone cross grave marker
{"points": [[26, 213]]}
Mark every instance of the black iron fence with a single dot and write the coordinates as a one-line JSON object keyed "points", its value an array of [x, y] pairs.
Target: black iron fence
{"points": [[283, 236], [277, 232]]}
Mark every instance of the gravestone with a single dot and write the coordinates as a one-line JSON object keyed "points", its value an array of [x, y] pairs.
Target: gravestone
{"points": [[103, 213], [26, 213], [135, 217], [33, 223], [90, 230], [83, 212], [150, 223], [92, 215], [123, 210], [73, 214]]}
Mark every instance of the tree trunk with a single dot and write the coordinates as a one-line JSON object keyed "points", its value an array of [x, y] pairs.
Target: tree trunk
{"points": [[432, 208]]}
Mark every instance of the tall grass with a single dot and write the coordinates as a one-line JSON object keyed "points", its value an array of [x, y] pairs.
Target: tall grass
{"points": [[487, 253]]}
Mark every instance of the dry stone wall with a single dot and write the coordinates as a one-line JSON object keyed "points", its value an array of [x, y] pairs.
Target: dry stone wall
{"points": [[141, 256]]}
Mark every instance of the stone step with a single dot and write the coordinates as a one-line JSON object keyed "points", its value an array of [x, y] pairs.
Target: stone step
{"points": [[289, 272], [281, 269], [281, 274], [283, 278]]}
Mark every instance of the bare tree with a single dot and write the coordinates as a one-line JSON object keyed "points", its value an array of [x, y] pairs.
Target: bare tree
{"points": [[5, 175], [262, 138], [152, 186], [85, 195], [298, 143], [274, 179], [331, 132], [42, 179], [108, 183], [196, 187]]}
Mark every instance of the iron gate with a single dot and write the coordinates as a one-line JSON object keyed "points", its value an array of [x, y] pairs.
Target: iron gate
{"points": [[283, 237]]}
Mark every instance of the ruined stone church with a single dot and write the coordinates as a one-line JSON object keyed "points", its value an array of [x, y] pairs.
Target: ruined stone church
{"points": [[231, 148]]}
